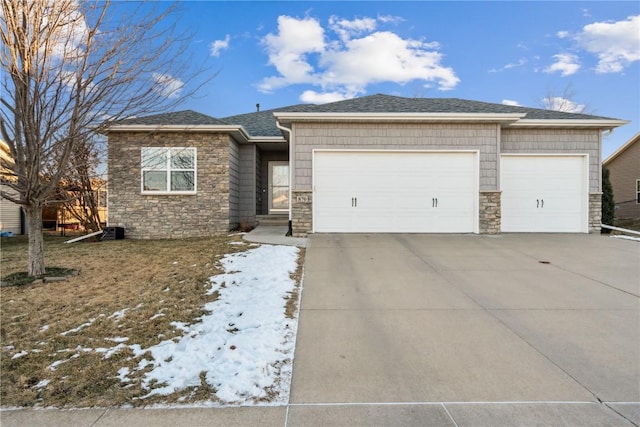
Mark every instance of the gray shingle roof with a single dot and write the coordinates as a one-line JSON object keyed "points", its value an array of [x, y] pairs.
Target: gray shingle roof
{"points": [[186, 118], [380, 103], [263, 123]]}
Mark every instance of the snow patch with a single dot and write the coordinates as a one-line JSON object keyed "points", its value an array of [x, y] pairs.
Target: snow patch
{"points": [[118, 339], [79, 328], [42, 384], [245, 346], [18, 355]]}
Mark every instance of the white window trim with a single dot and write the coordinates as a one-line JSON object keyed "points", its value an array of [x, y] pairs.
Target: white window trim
{"points": [[637, 191], [168, 170]]}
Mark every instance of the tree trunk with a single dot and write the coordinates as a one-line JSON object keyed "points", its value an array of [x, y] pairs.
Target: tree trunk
{"points": [[36, 249]]}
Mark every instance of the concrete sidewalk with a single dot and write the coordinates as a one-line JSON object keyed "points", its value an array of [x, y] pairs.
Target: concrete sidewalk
{"points": [[446, 330], [274, 235]]}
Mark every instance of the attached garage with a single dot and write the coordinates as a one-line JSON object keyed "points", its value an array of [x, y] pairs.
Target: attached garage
{"points": [[395, 191], [544, 193]]}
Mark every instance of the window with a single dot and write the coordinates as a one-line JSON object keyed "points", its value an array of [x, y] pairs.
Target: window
{"points": [[638, 191], [169, 170]]}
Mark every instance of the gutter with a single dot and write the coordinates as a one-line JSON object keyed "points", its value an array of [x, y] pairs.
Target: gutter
{"points": [[289, 132], [402, 117], [582, 123], [182, 128]]}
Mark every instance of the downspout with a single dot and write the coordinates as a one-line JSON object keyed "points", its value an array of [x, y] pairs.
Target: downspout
{"points": [[291, 159]]}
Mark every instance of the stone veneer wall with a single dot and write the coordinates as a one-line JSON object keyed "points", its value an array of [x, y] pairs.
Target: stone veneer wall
{"points": [[490, 212], [595, 212], [302, 213], [205, 213]]}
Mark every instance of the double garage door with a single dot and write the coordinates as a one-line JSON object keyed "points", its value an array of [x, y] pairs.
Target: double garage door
{"points": [[408, 192], [437, 192]]}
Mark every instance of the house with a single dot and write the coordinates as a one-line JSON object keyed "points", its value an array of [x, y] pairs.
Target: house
{"points": [[69, 208], [56, 214], [11, 216], [377, 163], [624, 174]]}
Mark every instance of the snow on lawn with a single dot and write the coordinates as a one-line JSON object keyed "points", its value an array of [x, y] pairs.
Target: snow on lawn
{"points": [[245, 345]]}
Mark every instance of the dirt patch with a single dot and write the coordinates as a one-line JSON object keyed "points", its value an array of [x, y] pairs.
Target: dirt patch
{"points": [[63, 343]]}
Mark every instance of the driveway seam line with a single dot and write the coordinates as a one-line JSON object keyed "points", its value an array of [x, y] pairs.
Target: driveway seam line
{"points": [[579, 274], [606, 405], [448, 414], [100, 417], [435, 403]]}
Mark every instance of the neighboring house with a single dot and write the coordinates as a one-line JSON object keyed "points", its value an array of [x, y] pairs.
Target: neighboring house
{"points": [[373, 164], [624, 174], [69, 215], [55, 215], [11, 216]]}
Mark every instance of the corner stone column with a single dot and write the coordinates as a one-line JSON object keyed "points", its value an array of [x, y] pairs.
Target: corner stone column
{"points": [[301, 213], [490, 212], [595, 212]]}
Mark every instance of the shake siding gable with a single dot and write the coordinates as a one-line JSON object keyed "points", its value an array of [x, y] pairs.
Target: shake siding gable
{"points": [[394, 136], [557, 141]]}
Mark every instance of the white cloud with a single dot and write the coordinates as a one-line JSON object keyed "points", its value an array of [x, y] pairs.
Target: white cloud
{"points": [[313, 97], [218, 46], [510, 102], [167, 85], [343, 67], [566, 64], [558, 103], [347, 29], [616, 44], [289, 49], [390, 19], [562, 34], [519, 63]]}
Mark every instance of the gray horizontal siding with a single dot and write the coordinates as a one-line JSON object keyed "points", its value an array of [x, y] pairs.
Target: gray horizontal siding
{"points": [[557, 141], [388, 136]]}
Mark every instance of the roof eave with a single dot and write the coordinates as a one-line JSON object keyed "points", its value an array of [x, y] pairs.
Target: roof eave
{"points": [[569, 123], [398, 117], [237, 131], [634, 139]]}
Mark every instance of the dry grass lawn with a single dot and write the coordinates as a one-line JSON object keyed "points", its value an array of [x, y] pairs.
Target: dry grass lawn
{"points": [[125, 288]]}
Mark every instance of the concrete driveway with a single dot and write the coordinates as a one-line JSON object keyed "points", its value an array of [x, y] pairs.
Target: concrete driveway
{"points": [[468, 330]]}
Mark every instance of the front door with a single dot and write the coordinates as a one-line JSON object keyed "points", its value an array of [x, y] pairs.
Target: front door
{"points": [[278, 187]]}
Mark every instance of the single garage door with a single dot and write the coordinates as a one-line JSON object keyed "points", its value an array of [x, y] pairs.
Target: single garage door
{"points": [[544, 193], [384, 191]]}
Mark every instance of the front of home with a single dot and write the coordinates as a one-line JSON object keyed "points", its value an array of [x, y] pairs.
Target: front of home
{"points": [[374, 164]]}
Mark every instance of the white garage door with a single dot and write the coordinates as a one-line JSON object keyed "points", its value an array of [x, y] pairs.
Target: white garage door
{"points": [[544, 193], [382, 191]]}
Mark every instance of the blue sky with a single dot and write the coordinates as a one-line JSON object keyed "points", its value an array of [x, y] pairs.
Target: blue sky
{"points": [[284, 53]]}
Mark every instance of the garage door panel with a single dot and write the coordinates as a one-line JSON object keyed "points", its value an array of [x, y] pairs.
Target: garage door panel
{"points": [[395, 191], [544, 193]]}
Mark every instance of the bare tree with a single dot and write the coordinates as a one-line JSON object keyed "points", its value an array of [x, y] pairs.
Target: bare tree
{"points": [[565, 101], [70, 68], [80, 187]]}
